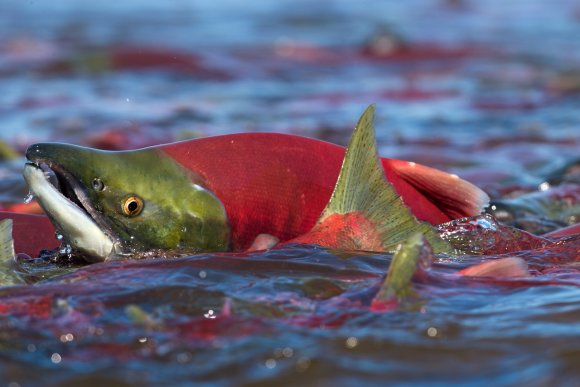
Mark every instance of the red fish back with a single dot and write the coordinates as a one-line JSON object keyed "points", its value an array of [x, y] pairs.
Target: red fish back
{"points": [[278, 183]]}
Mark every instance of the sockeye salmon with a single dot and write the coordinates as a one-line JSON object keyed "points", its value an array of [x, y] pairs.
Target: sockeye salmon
{"points": [[224, 193]]}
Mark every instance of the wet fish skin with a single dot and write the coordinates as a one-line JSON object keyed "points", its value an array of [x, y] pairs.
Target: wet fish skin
{"points": [[220, 193]]}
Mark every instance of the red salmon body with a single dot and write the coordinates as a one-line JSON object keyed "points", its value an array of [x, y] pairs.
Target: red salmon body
{"points": [[279, 184]]}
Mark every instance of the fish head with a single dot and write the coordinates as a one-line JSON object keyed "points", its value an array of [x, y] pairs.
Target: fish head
{"points": [[114, 203]]}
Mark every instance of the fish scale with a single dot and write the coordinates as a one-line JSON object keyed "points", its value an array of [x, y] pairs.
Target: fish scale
{"points": [[250, 173]]}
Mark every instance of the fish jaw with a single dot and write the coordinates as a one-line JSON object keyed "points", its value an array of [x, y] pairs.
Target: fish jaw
{"points": [[81, 231]]}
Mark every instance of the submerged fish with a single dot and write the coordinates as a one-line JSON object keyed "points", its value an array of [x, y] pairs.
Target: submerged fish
{"points": [[222, 193]]}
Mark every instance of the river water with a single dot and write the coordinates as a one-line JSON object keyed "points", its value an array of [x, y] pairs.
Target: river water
{"points": [[489, 91]]}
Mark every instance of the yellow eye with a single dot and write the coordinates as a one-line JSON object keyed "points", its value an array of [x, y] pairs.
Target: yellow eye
{"points": [[132, 206]]}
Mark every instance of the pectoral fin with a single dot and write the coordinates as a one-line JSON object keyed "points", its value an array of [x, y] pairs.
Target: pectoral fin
{"points": [[6, 241], [413, 257], [7, 274]]}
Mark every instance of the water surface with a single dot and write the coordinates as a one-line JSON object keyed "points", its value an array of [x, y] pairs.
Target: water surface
{"points": [[489, 91]]}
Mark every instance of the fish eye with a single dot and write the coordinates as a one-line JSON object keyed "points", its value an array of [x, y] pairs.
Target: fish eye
{"points": [[98, 184], [132, 206]]}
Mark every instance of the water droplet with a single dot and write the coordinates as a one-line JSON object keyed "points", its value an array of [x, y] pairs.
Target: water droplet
{"points": [[287, 352], [270, 363], [432, 332], [544, 186], [202, 274], [92, 330], [184, 357], [210, 314], [31, 348], [66, 250], [351, 342], [59, 236], [303, 364], [29, 198], [66, 337], [56, 358], [486, 223]]}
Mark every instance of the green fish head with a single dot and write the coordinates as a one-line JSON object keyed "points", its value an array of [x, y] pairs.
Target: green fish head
{"points": [[139, 200]]}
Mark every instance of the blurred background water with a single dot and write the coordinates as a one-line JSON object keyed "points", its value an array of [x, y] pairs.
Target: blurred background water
{"points": [[488, 90], [287, 66]]}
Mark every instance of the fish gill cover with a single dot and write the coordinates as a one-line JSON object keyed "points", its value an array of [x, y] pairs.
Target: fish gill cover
{"points": [[488, 91]]}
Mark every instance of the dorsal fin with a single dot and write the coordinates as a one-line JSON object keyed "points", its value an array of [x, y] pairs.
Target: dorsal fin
{"points": [[362, 188]]}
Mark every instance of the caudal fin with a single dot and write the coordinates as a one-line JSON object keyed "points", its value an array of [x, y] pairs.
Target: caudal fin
{"points": [[365, 212], [448, 196]]}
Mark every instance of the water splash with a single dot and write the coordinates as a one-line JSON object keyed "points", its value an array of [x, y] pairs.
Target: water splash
{"points": [[29, 198], [485, 235], [66, 249]]}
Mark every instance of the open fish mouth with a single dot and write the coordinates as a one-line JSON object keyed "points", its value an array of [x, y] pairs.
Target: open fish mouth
{"points": [[67, 205]]}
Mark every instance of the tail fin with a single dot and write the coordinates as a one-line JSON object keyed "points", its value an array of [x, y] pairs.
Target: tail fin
{"points": [[448, 196], [364, 211]]}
